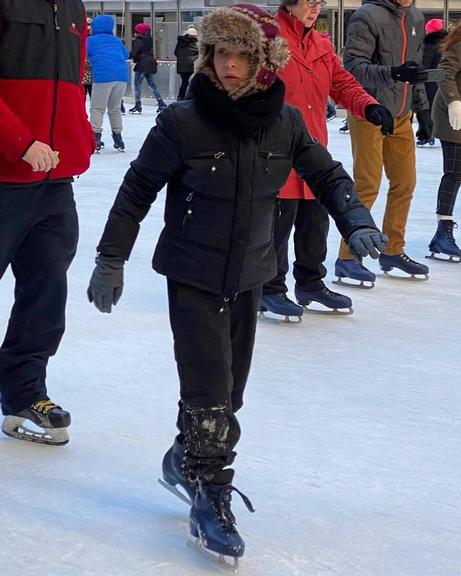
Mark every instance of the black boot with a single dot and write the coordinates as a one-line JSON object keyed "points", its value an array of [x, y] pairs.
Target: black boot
{"points": [[119, 144], [137, 108], [99, 142], [176, 471]]}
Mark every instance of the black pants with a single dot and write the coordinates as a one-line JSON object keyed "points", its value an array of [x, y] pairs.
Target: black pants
{"points": [[451, 179], [311, 224], [38, 238], [213, 344], [185, 76]]}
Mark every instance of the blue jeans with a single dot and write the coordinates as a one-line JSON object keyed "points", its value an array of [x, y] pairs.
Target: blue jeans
{"points": [[138, 78]]}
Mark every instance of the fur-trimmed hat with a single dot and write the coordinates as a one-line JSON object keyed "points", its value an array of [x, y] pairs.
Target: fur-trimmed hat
{"points": [[142, 28], [249, 28]]}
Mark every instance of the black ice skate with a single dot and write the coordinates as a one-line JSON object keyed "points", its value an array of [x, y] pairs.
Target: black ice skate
{"points": [[137, 109], [99, 142], [162, 105], [280, 305], [404, 263], [444, 244], [119, 144], [212, 524], [176, 472], [332, 302], [48, 416], [348, 269]]}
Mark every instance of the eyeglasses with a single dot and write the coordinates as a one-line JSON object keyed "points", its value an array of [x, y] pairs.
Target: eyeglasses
{"points": [[313, 3]]}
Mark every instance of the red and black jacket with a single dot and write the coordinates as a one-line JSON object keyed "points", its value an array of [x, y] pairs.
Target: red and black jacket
{"points": [[42, 49]]}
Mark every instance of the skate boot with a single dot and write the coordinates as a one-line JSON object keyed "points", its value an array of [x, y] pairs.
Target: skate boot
{"points": [[444, 242], [137, 108], [175, 471], [119, 144], [280, 304], [404, 263], [161, 105], [122, 108], [426, 142], [212, 523], [45, 414], [344, 128], [327, 298], [353, 270], [99, 142]]}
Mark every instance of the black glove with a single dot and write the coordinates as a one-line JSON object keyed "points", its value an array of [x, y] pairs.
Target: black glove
{"points": [[367, 241], [426, 125], [410, 72], [380, 116], [106, 283]]}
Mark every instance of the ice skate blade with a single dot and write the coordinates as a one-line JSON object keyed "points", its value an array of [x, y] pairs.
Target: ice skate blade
{"points": [[175, 491], [218, 560], [285, 320], [362, 284], [13, 426], [439, 256], [408, 277], [329, 311]]}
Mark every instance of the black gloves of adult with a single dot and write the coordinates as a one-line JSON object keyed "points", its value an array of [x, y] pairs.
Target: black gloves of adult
{"points": [[380, 116], [367, 242], [426, 125], [106, 283], [410, 72]]}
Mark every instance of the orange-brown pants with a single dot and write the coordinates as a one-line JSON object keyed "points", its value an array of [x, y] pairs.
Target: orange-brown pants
{"points": [[395, 153]]}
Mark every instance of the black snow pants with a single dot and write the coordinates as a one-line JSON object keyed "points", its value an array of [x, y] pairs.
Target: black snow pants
{"points": [[213, 344], [38, 238], [311, 225]]}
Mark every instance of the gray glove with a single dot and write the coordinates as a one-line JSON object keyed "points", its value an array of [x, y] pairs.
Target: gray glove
{"points": [[106, 283], [367, 242]]}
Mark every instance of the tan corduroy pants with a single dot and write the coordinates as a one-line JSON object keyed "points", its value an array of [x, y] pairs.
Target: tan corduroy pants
{"points": [[395, 153]]}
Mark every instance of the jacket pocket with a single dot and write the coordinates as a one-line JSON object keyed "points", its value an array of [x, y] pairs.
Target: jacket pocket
{"points": [[270, 157]]}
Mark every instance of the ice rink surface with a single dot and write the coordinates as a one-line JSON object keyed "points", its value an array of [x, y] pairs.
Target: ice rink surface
{"points": [[350, 449]]}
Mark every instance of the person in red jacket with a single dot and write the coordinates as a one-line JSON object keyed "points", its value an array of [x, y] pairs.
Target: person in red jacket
{"points": [[312, 74], [45, 141]]}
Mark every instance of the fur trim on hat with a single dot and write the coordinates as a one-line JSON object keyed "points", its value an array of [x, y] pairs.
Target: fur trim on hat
{"points": [[246, 28]]}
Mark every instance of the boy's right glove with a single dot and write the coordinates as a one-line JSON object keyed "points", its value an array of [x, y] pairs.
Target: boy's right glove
{"points": [[106, 283], [367, 242]]}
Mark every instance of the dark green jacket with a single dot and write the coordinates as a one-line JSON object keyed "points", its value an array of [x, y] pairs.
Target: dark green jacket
{"points": [[449, 91]]}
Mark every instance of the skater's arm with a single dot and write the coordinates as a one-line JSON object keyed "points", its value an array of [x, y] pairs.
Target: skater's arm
{"points": [[158, 159]]}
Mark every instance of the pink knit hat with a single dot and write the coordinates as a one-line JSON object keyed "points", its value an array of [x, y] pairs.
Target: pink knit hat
{"points": [[434, 25], [142, 28]]}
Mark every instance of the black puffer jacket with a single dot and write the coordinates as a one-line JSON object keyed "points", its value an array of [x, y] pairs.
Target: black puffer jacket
{"points": [[222, 188], [143, 55], [186, 53], [431, 59]]}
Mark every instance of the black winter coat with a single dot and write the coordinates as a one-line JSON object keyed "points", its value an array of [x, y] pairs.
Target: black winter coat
{"points": [[186, 53], [143, 55], [221, 199], [431, 59]]}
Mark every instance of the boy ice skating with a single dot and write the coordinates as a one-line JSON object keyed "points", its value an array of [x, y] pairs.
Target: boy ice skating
{"points": [[224, 152]]}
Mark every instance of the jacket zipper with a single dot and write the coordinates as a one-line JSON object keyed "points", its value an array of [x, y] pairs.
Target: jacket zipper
{"points": [[188, 213], [403, 58], [268, 156], [57, 28]]}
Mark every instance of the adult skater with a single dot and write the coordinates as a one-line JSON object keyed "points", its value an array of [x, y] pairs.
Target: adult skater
{"points": [[447, 126], [312, 74], [216, 249], [46, 140], [383, 51], [186, 53], [145, 67]]}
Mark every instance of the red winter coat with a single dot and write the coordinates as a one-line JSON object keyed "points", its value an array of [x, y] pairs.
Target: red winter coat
{"points": [[313, 73], [42, 57]]}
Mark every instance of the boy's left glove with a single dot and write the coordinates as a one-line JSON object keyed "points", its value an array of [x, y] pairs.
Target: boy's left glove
{"points": [[367, 242], [106, 283]]}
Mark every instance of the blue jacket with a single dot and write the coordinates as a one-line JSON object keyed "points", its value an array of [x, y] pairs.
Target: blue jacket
{"points": [[106, 52]]}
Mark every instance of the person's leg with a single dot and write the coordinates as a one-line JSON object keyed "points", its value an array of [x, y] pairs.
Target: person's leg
{"points": [[399, 155], [310, 242], [138, 78], [367, 152], [37, 319], [283, 226], [155, 91], [114, 102], [184, 84], [98, 104], [451, 179]]}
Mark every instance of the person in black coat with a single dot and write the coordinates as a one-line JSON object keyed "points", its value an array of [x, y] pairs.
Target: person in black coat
{"points": [[435, 33], [186, 53], [223, 152], [145, 67]]}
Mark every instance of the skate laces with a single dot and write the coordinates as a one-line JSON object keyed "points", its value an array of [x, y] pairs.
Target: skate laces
{"points": [[224, 501], [44, 406], [448, 229]]}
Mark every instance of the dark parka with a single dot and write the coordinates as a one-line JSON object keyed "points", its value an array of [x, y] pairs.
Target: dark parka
{"points": [[380, 35], [142, 53], [186, 53], [222, 197]]}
